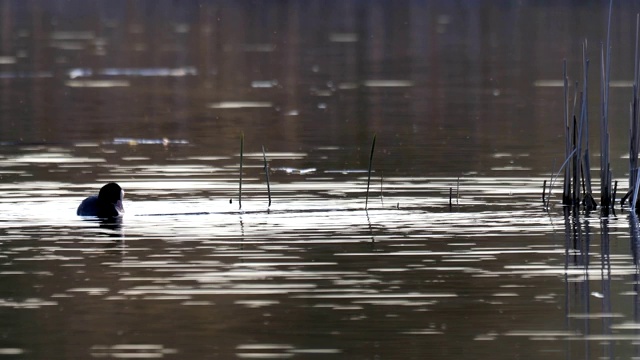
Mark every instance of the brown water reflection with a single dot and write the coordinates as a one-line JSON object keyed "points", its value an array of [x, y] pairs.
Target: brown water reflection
{"points": [[439, 80], [155, 94]]}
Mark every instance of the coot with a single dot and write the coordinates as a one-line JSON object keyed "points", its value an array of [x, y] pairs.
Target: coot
{"points": [[108, 203]]}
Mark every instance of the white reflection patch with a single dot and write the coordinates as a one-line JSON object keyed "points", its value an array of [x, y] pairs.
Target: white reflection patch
{"points": [[343, 37], [388, 83], [548, 83], [97, 83], [240, 105], [130, 351]]}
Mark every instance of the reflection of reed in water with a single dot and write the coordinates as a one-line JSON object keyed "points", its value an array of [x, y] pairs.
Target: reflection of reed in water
{"points": [[605, 271], [635, 245], [581, 314], [634, 240], [577, 179], [577, 290]]}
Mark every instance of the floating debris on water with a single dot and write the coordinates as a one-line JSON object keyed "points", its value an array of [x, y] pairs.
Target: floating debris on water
{"points": [[160, 72], [264, 83], [144, 72], [133, 141], [510, 168]]}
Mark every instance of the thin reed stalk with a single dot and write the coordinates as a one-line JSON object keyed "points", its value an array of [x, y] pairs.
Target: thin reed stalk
{"points": [[633, 134], [603, 132], [584, 115], [605, 165], [562, 167], [381, 196], [546, 199], [266, 173], [373, 146], [458, 191], [240, 180], [567, 179], [576, 132]]}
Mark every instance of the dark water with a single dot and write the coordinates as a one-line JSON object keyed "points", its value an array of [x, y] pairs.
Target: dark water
{"points": [[463, 98]]}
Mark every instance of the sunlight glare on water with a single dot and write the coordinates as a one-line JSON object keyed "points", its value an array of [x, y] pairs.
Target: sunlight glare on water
{"points": [[425, 245]]}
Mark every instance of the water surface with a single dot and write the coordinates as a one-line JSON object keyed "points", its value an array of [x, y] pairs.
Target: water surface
{"points": [[454, 255]]}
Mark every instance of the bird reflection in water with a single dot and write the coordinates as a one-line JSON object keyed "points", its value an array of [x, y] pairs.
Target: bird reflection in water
{"points": [[109, 227]]}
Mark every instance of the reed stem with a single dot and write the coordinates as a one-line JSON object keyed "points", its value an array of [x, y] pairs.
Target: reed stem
{"points": [[458, 191], [381, 196], [584, 114], [240, 180], [266, 173], [373, 146], [634, 126], [605, 165], [566, 189]]}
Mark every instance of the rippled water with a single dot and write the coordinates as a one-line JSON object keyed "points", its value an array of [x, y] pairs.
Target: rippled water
{"points": [[187, 274], [453, 255]]}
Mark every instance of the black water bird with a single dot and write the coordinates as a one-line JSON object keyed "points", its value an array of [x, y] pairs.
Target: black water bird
{"points": [[107, 204]]}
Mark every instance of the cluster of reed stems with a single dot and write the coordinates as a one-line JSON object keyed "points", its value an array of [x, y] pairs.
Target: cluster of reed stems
{"points": [[577, 188], [634, 124]]}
